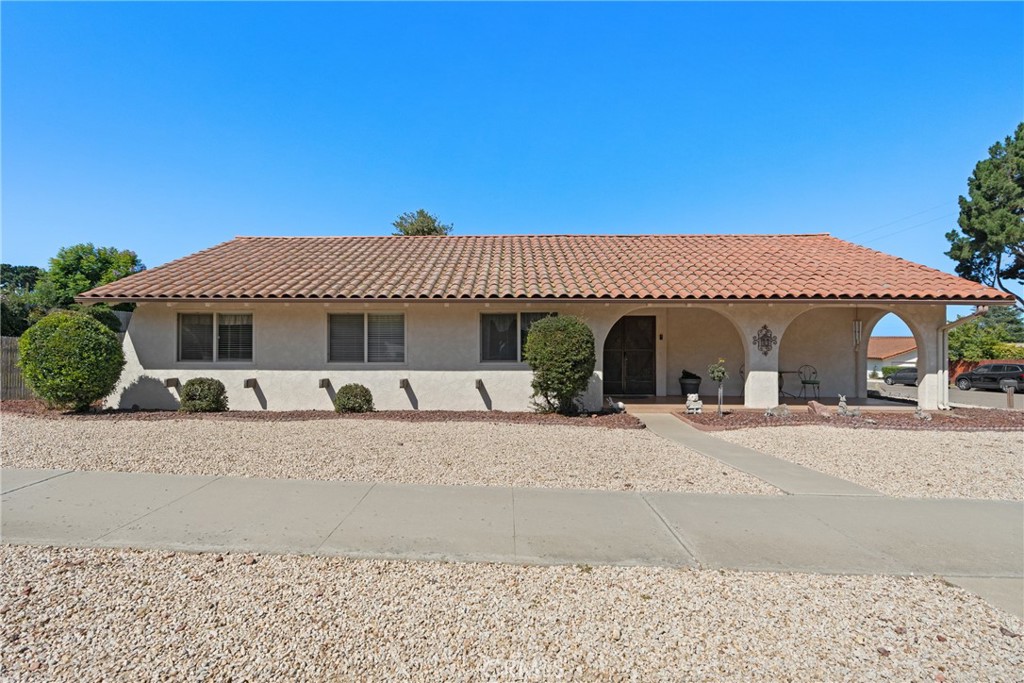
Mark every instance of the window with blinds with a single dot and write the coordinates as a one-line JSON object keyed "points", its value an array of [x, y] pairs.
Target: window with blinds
{"points": [[212, 337], [234, 337], [366, 338], [195, 336], [385, 337], [346, 343]]}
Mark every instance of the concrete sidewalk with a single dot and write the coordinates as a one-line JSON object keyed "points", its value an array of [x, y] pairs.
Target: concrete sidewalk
{"points": [[787, 476], [808, 533]]}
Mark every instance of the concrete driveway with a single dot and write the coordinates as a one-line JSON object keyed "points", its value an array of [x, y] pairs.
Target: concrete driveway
{"points": [[974, 397]]}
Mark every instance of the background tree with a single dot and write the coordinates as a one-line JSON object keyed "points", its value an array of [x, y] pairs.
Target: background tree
{"points": [[991, 247], [989, 337], [81, 267], [16, 298], [19, 278], [28, 293], [420, 222]]}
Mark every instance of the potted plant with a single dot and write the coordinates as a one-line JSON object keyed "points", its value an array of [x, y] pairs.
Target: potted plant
{"points": [[717, 373], [689, 383]]}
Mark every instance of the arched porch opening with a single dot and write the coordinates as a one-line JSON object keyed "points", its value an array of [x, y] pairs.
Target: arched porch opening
{"points": [[647, 349], [833, 340]]}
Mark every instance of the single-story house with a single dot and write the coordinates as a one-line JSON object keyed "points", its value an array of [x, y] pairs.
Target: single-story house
{"points": [[438, 322], [890, 351]]}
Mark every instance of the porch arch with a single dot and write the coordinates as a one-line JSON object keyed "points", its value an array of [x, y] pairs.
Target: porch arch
{"points": [[687, 336], [825, 338]]}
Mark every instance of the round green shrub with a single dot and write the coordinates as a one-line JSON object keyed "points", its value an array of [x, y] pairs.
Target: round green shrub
{"points": [[102, 314], [70, 360], [560, 351], [353, 398], [203, 395]]}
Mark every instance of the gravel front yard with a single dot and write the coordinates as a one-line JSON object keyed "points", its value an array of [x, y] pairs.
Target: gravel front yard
{"points": [[918, 464], [463, 453], [89, 615]]}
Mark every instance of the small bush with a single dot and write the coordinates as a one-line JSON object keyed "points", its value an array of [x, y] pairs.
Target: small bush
{"points": [[560, 351], [890, 369], [203, 395], [70, 360], [353, 398]]}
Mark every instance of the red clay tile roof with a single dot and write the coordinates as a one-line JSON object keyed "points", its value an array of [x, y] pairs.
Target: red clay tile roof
{"points": [[695, 267], [887, 347]]}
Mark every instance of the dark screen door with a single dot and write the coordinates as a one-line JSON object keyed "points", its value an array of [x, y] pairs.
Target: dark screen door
{"points": [[629, 357]]}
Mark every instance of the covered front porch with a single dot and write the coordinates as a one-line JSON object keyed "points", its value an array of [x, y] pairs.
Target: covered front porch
{"points": [[770, 351]]}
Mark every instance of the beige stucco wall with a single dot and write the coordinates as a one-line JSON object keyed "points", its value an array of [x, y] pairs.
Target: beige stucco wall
{"points": [[290, 358], [442, 352], [698, 337]]}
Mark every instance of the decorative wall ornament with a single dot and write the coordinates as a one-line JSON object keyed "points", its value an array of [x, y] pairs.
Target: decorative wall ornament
{"points": [[764, 340]]}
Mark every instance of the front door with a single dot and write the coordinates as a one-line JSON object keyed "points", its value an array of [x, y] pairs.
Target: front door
{"points": [[629, 357]]}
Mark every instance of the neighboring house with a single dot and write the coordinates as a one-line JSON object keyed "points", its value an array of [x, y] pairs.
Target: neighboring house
{"points": [[890, 351], [439, 322]]}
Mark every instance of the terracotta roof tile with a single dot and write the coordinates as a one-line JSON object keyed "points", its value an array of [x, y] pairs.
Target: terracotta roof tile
{"points": [[887, 347], [736, 267]]}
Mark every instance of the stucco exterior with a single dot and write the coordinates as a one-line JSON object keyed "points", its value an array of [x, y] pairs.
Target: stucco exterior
{"points": [[442, 363]]}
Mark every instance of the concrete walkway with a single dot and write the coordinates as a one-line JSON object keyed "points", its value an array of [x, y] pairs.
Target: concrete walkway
{"points": [[785, 475], [976, 540]]}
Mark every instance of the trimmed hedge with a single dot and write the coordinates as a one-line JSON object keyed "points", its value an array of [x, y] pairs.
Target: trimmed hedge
{"points": [[353, 398], [203, 395], [70, 360], [890, 369], [560, 351]]}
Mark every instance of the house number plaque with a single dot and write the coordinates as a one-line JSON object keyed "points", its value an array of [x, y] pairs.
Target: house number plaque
{"points": [[764, 340]]}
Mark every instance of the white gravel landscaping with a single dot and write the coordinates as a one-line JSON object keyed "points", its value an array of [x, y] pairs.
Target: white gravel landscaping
{"points": [[91, 615], [912, 464], [441, 453]]}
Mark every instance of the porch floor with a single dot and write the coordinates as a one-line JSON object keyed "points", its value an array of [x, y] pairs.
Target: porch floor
{"points": [[671, 404]]}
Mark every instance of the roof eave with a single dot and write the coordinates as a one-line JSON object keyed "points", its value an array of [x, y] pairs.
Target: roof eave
{"points": [[842, 299]]}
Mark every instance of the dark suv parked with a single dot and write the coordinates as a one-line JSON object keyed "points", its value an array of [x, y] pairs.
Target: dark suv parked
{"points": [[906, 376], [992, 376]]}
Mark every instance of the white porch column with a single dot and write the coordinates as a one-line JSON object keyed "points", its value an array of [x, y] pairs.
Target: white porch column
{"points": [[761, 327]]}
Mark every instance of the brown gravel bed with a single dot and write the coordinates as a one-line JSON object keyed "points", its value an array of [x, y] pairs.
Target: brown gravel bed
{"points": [[607, 420], [427, 453], [122, 615], [957, 419]]}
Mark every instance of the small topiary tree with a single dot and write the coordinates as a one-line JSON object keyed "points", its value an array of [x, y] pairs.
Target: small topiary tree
{"points": [[353, 398], [70, 360], [203, 395], [560, 351]]}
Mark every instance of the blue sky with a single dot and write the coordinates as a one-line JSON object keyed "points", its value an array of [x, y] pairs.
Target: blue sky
{"points": [[166, 128]]}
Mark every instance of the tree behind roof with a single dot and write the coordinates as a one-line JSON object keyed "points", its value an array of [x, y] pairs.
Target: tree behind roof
{"points": [[81, 267], [991, 247], [420, 222]]}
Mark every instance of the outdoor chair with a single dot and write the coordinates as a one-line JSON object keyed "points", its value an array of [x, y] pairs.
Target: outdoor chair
{"points": [[809, 381]]}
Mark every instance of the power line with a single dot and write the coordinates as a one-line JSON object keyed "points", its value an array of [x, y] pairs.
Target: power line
{"points": [[916, 225], [898, 220]]}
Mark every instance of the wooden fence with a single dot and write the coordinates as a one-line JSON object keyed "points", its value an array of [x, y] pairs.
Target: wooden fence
{"points": [[12, 386]]}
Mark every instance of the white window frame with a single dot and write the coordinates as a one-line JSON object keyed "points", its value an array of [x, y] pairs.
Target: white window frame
{"points": [[519, 334], [216, 338], [366, 339]]}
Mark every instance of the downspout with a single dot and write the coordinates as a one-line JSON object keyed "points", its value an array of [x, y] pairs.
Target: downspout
{"points": [[943, 351]]}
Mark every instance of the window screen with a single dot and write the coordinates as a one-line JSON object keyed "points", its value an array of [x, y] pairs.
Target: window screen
{"points": [[385, 338], [346, 338], [234, 337], [195, 336], [498, 336]]}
